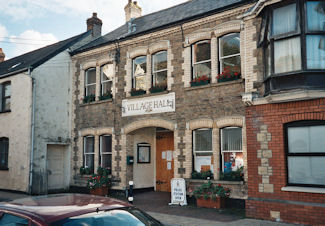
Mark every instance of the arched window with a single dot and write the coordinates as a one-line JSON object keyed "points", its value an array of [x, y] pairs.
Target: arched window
{"points": [[89, 153], [159, 70], [90, 83], [105, 151], [106, 81], [139, 70], [4, 151], [202, 150], [201, 59]]}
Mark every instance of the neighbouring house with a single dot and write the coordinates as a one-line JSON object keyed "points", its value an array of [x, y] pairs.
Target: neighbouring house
{"points": [[35, 115], [160, 97], [285, 114]]}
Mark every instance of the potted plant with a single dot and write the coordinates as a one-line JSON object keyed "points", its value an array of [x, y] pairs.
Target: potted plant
{"points": [[236, 175], [229, 74], [158, 88], [100, 182], [137, 92], [106, 96], [203, 175], [84, 170], [200, 80], [211, 196], [89, 98]]}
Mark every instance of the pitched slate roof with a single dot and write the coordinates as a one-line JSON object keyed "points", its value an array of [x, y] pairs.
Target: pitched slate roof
{"points": [[37, 57], [182, 12]]}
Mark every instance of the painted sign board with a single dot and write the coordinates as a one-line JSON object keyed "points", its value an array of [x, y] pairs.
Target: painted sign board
{"points": [[149, 105], [178, 192]]}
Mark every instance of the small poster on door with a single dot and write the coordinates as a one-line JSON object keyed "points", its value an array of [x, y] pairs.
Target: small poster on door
{"points": [[169, 165], [163, 155], [169, 155]]}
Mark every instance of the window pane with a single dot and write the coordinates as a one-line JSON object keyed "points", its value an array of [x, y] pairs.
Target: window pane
{"points": [[232, 161], [9, 219], [139, 65], [306, 170], [229, 45], [159, 61], [91, 76], [7, 90], [231, 63], [316, 15], [201, 51], [140, 82], [107, 72], [203, 162], [7, 104], [107, 161], [268, 61], [284, 19], [231, 139], [4, 146], [160, 79], [202, 69], [316, 51], [203, 140], [89, 145], [306, 139], [106, 144], [90, 90], [287, 55], [89, 158], [106, 87]]}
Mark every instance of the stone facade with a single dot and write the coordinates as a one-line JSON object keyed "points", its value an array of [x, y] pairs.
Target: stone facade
{"points": [[215, 106]]}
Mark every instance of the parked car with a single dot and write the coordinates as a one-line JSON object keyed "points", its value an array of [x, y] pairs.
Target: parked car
{"points": [[72, 209]]}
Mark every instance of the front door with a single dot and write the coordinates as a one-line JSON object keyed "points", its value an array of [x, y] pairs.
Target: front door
{"points": [[55, 167], [164, 160]]}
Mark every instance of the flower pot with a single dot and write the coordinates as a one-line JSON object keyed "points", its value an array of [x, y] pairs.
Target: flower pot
{"points": [[101, 191], [209, 203]]}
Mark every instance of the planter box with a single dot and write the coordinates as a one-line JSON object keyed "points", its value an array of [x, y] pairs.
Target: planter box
{"points": [[102, 191], [228, 79], [202, 83], [209, 203], [138, 92]]}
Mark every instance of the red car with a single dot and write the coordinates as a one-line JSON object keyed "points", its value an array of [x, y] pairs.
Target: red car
{"points": [[72, 209]]}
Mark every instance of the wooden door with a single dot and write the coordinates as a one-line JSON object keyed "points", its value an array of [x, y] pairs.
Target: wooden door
{"points": [[164, 160], [55, 167]]}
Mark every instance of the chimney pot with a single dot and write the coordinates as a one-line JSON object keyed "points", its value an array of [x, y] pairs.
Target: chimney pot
{"points": [[2, 56]]}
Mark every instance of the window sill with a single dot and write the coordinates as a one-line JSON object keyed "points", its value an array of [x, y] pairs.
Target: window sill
{"points": [[215, 84], [222, 182], [3, 112], [304, 189], [96, 102], [147, 95], [4, 169]]}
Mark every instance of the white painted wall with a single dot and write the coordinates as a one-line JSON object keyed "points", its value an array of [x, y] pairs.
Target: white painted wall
{"points": [[144, 174], [16, 125]]}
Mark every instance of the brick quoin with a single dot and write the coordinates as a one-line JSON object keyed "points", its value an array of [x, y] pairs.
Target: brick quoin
{"points": [[295, 207]]}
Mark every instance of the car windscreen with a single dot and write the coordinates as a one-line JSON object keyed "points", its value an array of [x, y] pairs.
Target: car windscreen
{"points": [[115, 217]]}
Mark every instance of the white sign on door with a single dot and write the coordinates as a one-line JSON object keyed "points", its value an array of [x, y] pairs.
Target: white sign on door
{"points": [[178, 192]]}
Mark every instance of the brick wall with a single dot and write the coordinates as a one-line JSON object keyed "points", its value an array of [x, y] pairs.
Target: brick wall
{"points": [[267, 164]]}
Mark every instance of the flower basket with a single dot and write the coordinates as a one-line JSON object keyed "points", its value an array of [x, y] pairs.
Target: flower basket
{"points": [[157, 89], [106, 96], [218, 203], [89, 98], [200, 81], [137, 92], [229, 74], [101, 191], [228, 79]]}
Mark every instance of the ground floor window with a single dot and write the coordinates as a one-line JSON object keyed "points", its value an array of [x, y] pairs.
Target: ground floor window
{"points": [[306, 153], [231, 149], [202, 150], [105, 146], [4, 150], [89, 154]]}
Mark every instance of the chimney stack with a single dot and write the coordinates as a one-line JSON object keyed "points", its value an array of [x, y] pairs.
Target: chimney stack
{"points": [[132, 10], [2, 56], [95, 25]]}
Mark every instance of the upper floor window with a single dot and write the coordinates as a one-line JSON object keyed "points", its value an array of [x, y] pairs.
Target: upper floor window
{"points": [[306, 153], [4, 150], [294, 38], [89, 153], [231, 149], [139, 70], [201, 59], [105, 147], [106, 80], [229, 57], [5, 94], [90, 82], [202, 150], [159, 70]]}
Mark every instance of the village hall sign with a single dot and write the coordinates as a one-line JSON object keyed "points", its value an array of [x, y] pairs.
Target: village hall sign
{"points": [[149, 105]]}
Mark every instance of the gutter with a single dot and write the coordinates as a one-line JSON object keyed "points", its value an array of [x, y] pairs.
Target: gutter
{"points": [[14, 72], [31, 161]]}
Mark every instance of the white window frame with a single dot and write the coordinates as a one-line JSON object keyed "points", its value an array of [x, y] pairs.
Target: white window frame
{"points": [[101, 150], [133, 70], [229, 56], [200, 62], [229, 151], [102, 82], [162, 70], [86, 81], [85, 154], [206, 151]]}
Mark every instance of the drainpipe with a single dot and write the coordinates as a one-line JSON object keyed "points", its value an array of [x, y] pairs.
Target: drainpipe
{"points": [[31, 162]]}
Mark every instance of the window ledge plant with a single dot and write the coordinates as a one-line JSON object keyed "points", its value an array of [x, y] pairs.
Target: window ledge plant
{"points": [[84, 170], [158, 88], [106, 96], [236, 175], [203, 175], [89, 98], [200, 80], [137, 92], [229, 74]]}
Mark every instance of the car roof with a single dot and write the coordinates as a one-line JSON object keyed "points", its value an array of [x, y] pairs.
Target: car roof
{"points": [[51, 208]]}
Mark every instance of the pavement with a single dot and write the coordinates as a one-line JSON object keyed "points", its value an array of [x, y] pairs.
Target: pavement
{"points": [[156, 204]]}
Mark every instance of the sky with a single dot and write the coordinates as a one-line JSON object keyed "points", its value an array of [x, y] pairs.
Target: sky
{"points": [[26, 25]]}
